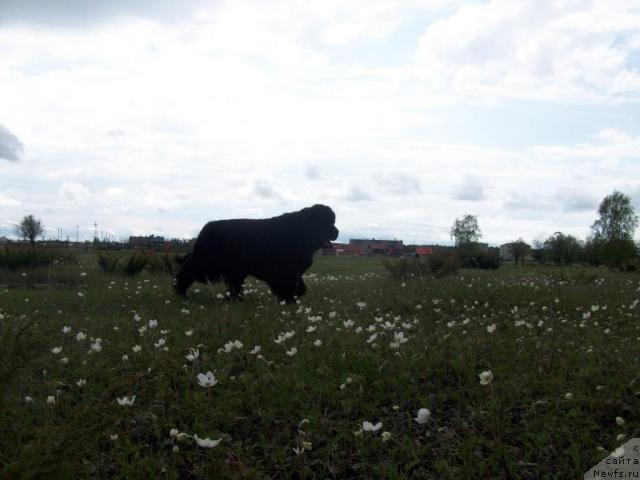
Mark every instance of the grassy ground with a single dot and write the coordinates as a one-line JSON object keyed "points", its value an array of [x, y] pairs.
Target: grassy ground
{"points": [[564, 360]]}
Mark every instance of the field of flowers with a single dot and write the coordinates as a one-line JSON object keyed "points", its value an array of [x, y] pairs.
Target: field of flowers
{"points": [[524, 372]]}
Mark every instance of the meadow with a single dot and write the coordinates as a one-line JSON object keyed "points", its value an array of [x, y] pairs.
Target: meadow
{"points": [[525, 373]]}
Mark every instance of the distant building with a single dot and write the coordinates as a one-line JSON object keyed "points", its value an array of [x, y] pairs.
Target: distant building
{"points": [[149, 242], [422, 251], [372, 246], [4, 240], [506, 252]]}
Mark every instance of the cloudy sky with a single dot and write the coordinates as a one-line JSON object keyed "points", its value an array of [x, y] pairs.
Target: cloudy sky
{"points": [[155, 116]]}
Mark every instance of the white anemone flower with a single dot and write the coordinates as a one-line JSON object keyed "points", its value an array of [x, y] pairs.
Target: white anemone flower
{"points": [[423, 416], [292, 352], [370, 427], [318, 343], [97, 345], [66, 329], [492, 328], [207, 380], [80, 336], [51, 400], [126, 401], [136, 348], [81, 382], [257, 349], [486, 377], [193, 354], [206, 442], [56, 350], [620, 421]]}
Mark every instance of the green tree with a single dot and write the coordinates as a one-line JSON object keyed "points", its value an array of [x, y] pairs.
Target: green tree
{"points": [[562, 249], [465, 231], [611, 241], [520, 249], [617, 219], [29, 229]]}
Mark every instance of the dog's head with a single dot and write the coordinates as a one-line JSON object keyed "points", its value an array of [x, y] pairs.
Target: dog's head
{"points": [[319, 224]]}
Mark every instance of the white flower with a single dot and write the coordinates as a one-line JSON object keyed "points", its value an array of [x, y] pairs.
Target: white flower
{"points": [[207, 380], [125, 358], [28, 399], [492, 328], [173, 432], [257, 349], [370, 427], [126, 401], [238, 344], [80, 294], [311, 328], [136, 348], [193, 354], [385, 436], [51, 400], [206, 442], [56, 350], [160, 343], [423, 416], [153, 323], [620, 421], [348, 324], [80, 336], [188, 333], [292, 352], [568, 396], [81, 382], [137, 318], [113, 437], [66, 329], [97, 345], [486, 377], [64, 360], [317, 343]]}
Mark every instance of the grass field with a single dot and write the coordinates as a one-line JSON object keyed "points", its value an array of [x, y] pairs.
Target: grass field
{"points": [[561, 345]]}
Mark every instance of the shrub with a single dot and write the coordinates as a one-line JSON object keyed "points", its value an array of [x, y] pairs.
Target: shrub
{"points": [[108, 263], [164, 263], [436, 265], [485, 261], [135, 264], [17, 257]]}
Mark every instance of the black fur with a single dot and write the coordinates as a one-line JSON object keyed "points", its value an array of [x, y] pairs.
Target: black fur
{"points": [[276, 250]]}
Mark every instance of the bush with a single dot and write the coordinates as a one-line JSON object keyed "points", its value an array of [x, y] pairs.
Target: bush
{"points": [[164, 263], [436, 265], [612, 253], [108, 263], [135, 264], [17, 257], [482, 260]]}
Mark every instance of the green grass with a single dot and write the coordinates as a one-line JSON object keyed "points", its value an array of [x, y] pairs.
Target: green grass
{"points": [[522, 425]]}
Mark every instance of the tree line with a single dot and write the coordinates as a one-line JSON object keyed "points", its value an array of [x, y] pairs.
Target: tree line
{"points": [[609, 243]]}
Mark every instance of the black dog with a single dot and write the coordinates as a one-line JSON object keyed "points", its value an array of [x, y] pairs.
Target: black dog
{"points": [[276, 250]]}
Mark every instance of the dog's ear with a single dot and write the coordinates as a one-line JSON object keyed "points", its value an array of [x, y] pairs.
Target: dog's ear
{"points": [[321, 214]]}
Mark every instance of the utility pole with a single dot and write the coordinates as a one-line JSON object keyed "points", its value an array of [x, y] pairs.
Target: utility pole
{"points": [[77, 233]]}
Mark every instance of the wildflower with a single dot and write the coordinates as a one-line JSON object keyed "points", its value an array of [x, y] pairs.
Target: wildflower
{"points": [[137, 318], [370, 427], [620, 421], [193, 354], [486, 377], [385, 436], [51, 400], [492, 328], [113, 437], [317, 343], [618, 452], [423, 416], [136, 348], [292, 352], [173, 433], [568, 396], [96, 346], [257, 349], [160, 343], [188, 333], [153, 323], [66, 329], [28, 399], [125, 358], [64, 360], [80, 336], [206, 442], [56, 350], [81, 382], [126, 401], [348, 324], [207, 380], [311, 328]]}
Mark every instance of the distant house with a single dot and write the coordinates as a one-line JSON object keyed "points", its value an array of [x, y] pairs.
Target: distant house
{"points": [[376, 247], [423, 251], [149, 242], [506, 252], [4, 240]]}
